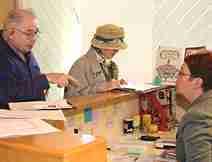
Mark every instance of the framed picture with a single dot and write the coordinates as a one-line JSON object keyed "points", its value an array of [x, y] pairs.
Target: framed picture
{"points": [[168, 63]]}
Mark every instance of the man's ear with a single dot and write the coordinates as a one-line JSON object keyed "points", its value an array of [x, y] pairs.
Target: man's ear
{"points": [[10, 32]]}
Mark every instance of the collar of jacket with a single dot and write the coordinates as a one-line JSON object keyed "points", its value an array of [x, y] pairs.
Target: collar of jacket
{"points": [[206, 96]]}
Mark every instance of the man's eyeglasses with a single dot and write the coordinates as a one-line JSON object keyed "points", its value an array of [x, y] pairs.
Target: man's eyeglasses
{"points": [[29, 34]]}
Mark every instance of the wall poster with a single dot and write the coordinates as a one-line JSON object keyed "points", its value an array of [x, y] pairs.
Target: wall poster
{"points": [[168, 63]]}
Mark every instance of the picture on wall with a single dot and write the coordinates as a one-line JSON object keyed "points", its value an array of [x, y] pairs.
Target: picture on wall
{"points": [[168, 62]]}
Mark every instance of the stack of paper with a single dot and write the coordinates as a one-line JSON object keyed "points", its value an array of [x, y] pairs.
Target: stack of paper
{"points": [[30, 114], [17, 127], [51, 110], [24, 118]]}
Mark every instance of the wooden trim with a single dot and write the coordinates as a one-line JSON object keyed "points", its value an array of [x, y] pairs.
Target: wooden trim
{"points": [[6, 6], [98, 101], [55, 147], [18, 4]]}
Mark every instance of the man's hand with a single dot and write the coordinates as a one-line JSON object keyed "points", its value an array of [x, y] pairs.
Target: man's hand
{"points": [[62, 80], [123, 82], [108, 86]]}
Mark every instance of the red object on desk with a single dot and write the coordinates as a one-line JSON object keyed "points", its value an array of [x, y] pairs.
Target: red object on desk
{"points": [[160, 115]]}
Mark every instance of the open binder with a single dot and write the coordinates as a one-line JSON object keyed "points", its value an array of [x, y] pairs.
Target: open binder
{"points": [[142, 87]]}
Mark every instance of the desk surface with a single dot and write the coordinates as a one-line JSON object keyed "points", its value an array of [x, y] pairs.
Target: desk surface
{"points": [[54, 147], [122, 150]]}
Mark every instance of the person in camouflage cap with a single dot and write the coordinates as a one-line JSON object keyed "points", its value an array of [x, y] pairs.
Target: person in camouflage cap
{"points": [[96, 70]]}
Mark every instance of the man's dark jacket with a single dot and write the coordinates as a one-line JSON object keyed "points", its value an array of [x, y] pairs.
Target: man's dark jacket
{"points": [[19, 80]]}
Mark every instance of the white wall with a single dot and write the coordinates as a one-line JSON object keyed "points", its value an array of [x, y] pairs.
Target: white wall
{"points": [[181, 23]]}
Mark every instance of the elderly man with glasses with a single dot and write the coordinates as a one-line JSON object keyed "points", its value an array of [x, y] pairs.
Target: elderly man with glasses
{"points": [[20, 76]]}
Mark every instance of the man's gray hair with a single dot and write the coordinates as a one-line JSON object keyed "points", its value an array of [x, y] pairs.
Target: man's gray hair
{"points": [[15, 17]]}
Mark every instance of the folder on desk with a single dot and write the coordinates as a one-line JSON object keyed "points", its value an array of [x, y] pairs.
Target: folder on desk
{"points": [[31, 114], [40, 105]]}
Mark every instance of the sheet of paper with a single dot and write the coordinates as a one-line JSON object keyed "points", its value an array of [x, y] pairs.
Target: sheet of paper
{"points": [[37, 105], [18, 127], [40, 114]]}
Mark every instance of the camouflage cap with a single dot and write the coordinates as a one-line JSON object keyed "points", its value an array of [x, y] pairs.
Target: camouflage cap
{"points": [[109, 36]]}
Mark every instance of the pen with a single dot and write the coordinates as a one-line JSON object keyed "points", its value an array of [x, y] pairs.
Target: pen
{"points": [[58, 108], [135, 159], [55, 108], [51, 108]]}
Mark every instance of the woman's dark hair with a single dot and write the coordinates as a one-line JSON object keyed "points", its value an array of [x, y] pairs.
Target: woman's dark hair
{"points": [[200, 65]]}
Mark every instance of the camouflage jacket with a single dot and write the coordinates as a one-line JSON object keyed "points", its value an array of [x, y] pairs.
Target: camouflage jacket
{"points": [[91, 72]]}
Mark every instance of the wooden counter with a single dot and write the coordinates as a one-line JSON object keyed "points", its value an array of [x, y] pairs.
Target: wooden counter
{"points": [[107, 111], [99, 100], [53, 147], [6, 6]]}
